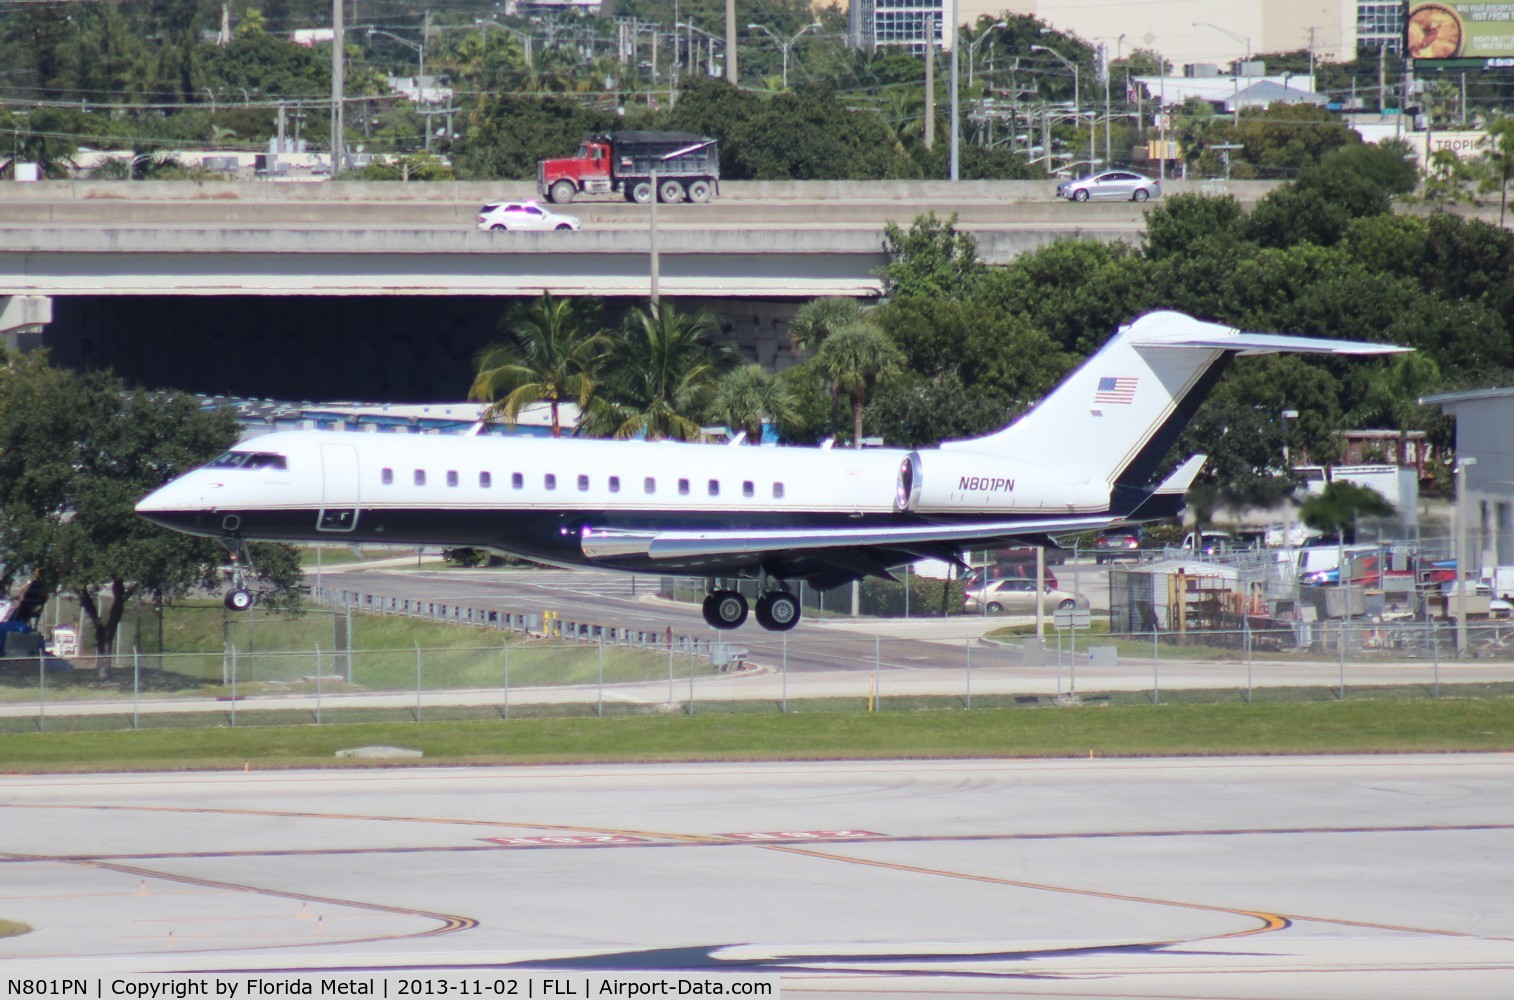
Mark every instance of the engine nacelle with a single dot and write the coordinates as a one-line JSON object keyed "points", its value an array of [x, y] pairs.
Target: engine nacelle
{"points": [[970, 482]]}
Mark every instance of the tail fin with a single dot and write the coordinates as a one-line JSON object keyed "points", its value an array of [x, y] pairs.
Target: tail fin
{"points": [[1113, 419]]}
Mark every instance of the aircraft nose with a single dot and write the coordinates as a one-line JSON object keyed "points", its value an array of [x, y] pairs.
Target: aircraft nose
{"points": [[178, 505]]}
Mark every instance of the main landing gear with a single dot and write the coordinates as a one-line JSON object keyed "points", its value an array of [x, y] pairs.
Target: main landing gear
{"points": [[776, 611]]}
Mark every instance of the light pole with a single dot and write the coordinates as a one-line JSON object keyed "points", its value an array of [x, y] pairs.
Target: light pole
{"points": [[1243, 39], [787, 46], [1463, 552], [1076, 114], [420, 49], [972, 48], [1288, 561], [525, 37]]}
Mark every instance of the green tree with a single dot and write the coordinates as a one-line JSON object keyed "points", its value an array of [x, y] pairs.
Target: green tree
{"points": [[1498, 163], [748, 397], [662, 374], [817, 319], [855, 358], [931, 259], [555, 354], [76, 454], [1337, 509]]}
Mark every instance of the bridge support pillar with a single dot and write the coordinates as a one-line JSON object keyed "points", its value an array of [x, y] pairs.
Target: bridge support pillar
{"points": [[22, 318]]}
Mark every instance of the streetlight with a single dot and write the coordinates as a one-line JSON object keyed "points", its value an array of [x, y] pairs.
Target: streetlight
{"points": [[525, 37], [1119, 44], [1463, 552], [419, 47], [1065, 62], [1243, 39], [972, 48], [785, 46], [1284, 417], [1075, 112]]}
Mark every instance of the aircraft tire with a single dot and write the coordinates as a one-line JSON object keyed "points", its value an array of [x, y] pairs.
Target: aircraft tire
{"points": [[778, 611], [725, 609], [239, 599]]}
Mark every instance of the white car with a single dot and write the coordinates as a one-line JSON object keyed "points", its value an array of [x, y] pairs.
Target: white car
{"points": [[499, 215], [1019, 597], [1110, 185]]}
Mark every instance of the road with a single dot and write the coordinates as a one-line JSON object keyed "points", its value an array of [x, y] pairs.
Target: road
{"points": [[1250, 879]]}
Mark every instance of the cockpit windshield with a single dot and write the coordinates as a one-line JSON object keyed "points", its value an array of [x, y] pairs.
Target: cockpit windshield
{"points": [[249, 460]]}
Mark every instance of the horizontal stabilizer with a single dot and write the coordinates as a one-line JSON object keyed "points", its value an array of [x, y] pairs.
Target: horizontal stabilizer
{"points": [[600, 543], [1247, 344], [1183, 476]]}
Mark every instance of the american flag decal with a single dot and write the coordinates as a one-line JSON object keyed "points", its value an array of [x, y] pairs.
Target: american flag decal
{"points": [[1115, 390]]}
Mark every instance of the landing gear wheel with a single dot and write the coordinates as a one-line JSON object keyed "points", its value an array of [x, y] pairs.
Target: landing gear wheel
{"points": [[239, 599], [641, 192], [724, 609], [777, 611], [562, 193], [670, 192]]}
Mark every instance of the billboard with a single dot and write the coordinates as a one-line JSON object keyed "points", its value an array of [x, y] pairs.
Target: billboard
{"points": [[1452, 34]]}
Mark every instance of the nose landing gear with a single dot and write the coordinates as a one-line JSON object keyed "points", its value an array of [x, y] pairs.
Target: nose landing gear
{"points": [[239, 597]]}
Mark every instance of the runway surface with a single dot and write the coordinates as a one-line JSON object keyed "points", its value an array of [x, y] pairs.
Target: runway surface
{"points": [[1246, 878]]}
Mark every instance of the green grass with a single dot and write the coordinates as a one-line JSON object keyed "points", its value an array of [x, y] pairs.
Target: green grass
{"points": [[816, 730]]}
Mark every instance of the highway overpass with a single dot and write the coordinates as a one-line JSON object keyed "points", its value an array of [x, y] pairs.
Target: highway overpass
{"points": [[757, 240]]}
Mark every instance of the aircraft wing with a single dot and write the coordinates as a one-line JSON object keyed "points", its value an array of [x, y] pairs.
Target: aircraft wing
{"points": [[610, 543]]}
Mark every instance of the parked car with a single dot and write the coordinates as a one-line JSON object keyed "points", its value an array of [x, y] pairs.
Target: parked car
{"points": [[502, 215], [1211, 542], [1019, 596], [1110, 185], [1122, 543], [1013, 571]]}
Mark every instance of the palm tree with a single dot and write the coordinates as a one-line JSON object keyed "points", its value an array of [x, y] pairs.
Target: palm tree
{"points": [[554, 354], [748, 397], [855, 358], [817, 319], [661, 376]]}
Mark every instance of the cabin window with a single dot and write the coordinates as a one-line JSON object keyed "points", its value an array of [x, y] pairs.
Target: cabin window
{"points": [[714, 487], [386, 477], [777, 491], [683, 487], [614, 484], [583, 484], [748, 488], [517, 481], [485, 480], [452, 477], [551, 481], [420, 477], [649, 485]]}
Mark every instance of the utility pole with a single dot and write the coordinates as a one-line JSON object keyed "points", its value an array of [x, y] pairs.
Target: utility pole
{"points": [[956, 140], [930, 81], [338, 88], [730, 42]]}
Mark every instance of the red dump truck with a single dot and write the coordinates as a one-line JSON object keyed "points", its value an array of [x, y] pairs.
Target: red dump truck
{"points": [[687, 166]]}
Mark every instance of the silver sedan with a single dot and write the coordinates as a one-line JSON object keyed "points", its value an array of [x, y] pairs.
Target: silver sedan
{"points": [[1110, 185]]}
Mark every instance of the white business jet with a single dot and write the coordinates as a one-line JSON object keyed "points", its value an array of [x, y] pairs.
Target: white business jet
{"points": [[1081, 460]]}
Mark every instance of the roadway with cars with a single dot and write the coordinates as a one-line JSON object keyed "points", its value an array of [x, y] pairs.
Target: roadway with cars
{"points": [[1250, 879]]}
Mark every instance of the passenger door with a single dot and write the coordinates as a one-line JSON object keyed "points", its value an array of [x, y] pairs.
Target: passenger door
{"points": [[339, 488]]}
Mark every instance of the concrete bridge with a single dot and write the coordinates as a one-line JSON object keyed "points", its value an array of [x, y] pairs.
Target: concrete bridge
{"points": [[761, 240]]}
